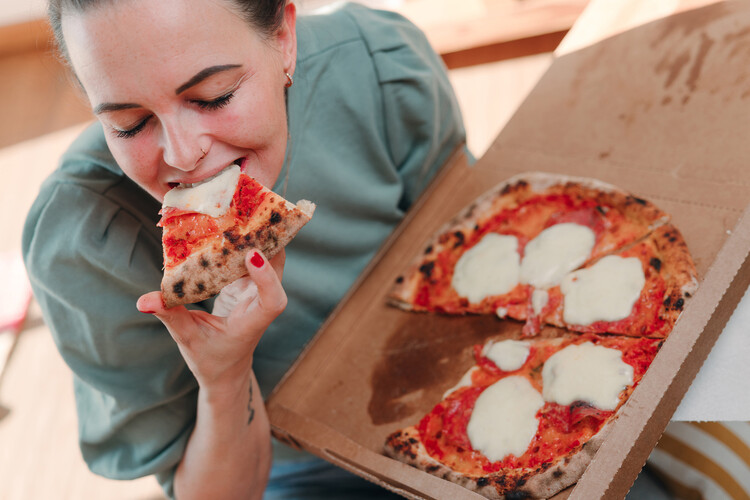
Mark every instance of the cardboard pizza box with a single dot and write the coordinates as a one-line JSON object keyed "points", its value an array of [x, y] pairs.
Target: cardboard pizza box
{"points": [[661, 110]]}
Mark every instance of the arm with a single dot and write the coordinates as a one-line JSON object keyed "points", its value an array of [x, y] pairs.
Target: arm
{"points": [[228, 454]]}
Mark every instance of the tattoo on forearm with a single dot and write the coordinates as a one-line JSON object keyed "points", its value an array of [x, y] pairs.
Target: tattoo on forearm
{"points": [[250, 409]]}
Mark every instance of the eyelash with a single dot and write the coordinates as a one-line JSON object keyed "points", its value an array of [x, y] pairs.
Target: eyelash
{"points": [[213, 105], [217, 103]]}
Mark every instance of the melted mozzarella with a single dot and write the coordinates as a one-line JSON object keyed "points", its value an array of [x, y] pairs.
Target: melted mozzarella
{"points": [[586, 372], [504, 421], [539, 299], [508, 355], [488, 268], [555, 252], [606, 291], [211, 197]]}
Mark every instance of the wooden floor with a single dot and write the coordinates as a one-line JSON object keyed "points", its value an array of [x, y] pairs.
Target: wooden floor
{"points": [[39, 457]]}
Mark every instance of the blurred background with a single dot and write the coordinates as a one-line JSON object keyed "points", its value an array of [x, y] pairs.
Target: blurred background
{"points": [[495, 50]]}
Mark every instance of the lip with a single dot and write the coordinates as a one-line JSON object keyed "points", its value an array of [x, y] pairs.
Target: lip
{"points": [[241, 162]]}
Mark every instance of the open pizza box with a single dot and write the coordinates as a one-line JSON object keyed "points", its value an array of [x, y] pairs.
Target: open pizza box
{"points": [[661, 110]]}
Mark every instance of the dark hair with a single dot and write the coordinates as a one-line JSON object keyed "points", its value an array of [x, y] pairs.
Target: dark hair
{"points": [[265, 16]]}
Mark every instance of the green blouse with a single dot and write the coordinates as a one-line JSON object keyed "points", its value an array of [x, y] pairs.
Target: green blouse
{"points": [[372, 116]]}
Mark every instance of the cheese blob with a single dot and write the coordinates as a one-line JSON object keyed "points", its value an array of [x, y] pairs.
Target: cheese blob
{"points": [[504, 421], [488, 268], [586, 372], [555, 252], [606, 291], [508, 355], [211, 197]]}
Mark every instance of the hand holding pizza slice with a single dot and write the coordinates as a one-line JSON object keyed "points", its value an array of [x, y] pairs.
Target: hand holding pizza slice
{"points": [[209, 227]]}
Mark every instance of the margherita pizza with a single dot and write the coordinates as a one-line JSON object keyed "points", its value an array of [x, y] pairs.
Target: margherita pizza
{"points": [[605, 267], [209, 227], [513, 251], [527, 418]]}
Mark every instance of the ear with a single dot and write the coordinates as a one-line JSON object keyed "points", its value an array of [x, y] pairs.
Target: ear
{"points": [[287, 38]]}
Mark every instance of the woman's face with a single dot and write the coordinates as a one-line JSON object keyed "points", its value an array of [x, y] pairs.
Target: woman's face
{"points": [[172, 79]]}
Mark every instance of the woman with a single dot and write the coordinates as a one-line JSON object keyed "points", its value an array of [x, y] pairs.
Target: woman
{"points": [[351, 110]]}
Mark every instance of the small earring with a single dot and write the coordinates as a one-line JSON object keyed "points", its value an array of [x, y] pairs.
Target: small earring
{"points": [[204, 153], [289, 80]]}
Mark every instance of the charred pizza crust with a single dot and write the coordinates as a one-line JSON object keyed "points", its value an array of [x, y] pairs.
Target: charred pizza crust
{"points": [[508, 195], [220, 261], [541, 482]]}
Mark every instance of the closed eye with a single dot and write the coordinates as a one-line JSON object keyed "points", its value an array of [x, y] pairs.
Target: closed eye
{"points": [[215, 104], [132, 132]]}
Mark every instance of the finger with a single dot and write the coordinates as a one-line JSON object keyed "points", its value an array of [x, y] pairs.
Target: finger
{"points": [[278, 261], [271, 298]]}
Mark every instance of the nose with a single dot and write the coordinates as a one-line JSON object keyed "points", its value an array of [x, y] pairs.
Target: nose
{"points": [[180, 145]]}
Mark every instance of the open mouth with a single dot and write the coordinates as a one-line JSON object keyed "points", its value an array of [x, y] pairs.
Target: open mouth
{"points": [[240, 162]]}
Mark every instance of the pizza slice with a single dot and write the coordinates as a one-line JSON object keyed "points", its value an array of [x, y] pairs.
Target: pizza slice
{"points": [[209, 227], [526, 233], [527, 418], [638, 291]]}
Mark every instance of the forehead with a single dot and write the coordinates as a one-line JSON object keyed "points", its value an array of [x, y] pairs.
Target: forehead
{"points": [[137, 42]]}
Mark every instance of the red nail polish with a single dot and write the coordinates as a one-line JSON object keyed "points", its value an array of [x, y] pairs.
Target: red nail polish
{"points": [[256, 260], [148, 312]]}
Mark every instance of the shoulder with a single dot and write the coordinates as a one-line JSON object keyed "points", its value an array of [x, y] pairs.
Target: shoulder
{"points": [[379, 30], [86, 209]]}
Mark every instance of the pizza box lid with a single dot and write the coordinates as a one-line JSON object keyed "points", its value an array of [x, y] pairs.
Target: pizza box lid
{"points": [[659, 109]]}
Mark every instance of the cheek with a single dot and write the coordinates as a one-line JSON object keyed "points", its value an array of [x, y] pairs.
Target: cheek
{"points": [[138, 159]]}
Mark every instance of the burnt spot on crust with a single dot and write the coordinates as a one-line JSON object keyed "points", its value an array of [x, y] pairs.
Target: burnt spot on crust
{"points": [[557, 473], [432, 468], [476, 227], [459, 239], [640, 201], [428, 250], [514, 187], [231, 236], [601, 210], [225, 251], [655, 263], [482, 481], [401, 447], [177, 288], [517, 495], [400, 279], [676, 304], [201, 287], [427, 268], [275, 217], [204, 262]]}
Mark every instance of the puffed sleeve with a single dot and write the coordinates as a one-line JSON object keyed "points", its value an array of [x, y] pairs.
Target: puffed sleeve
{"points": [[89, 259], [423, 123]]}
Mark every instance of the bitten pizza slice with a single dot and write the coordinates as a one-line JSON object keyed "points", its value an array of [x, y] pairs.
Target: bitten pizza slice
{"points": [[528, 232], [209, 227], [528, 417], [637, 291]]}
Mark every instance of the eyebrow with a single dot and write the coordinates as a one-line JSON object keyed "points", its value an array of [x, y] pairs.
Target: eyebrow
{"points": [[203, 74], [110, 106], [107, 107]]}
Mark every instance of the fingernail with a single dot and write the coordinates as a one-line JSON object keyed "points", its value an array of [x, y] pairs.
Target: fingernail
{"points": [[256, 260], [148, 312]]}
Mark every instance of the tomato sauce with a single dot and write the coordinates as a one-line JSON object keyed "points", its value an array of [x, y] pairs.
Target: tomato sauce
{"points": [[184, 229]]}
